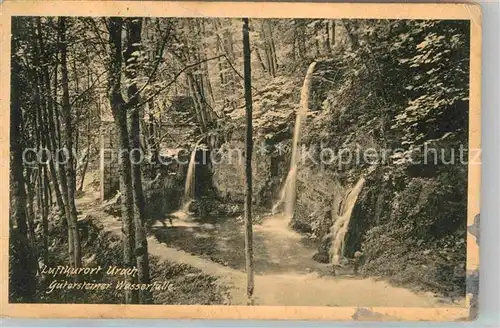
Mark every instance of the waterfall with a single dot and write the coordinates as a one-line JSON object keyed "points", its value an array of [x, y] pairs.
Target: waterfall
{"points": [[283, 194], [287, 194], [339, 228], [189, 186]]}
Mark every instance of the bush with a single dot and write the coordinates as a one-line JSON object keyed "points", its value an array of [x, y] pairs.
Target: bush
{"points": [[423, 241]]}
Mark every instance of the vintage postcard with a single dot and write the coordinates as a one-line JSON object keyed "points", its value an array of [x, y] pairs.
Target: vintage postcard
{"points": [[240, 160]]}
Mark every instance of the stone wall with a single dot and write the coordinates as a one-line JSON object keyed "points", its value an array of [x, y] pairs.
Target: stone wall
{"points": [[318, 199]]}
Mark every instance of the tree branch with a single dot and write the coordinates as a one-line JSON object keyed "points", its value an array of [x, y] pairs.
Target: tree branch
{"points": [[157, 62], [88, 89], [157, 92], [234, 69]]}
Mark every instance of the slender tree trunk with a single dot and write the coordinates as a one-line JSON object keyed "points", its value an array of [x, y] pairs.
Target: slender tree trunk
{"points": [[206, 74], [300, 37], [84, 168], [68, 131], [152, 129], [316, 39], [57, 116], [45, 212], [61, 168], [333, 31], [40, 141], [76, 138], [141, 244], [218, 51], [272, 46], [89, 147], [259, 58], [31, 212], [200, 93], [294, 41], [197, 102], [230, 60], [248, 163], [119, 110], [42, 181], [268, 49], [328, 46], [49, 190], [43, 96]]}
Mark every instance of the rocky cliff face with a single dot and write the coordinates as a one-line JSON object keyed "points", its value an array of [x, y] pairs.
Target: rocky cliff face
{"points": [[228, 177]]}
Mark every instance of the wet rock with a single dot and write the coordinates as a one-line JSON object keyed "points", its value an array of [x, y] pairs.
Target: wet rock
{"points": [[321, 257], [301, 227]]}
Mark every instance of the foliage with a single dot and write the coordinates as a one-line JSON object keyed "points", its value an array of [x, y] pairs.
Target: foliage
{"points": [[437, 107], [190, 286], [402, 85]]}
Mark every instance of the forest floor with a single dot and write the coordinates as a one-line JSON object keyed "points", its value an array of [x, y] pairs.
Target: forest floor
{"points": [[285, 273]]}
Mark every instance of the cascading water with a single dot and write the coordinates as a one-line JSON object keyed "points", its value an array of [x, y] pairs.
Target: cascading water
{"points": [[189, 185], [190, 177], [341, 224], [287, 194]]}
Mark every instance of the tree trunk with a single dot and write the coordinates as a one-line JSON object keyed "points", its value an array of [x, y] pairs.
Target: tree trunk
{"points": [[31, 212], [272, 46], [119, 110], [248, 163], [152, 129], [42, 194], [22, 282], [328, 46], [316, 39], [89, 148], [45, 214], [333, 31], [68, 131], [301, 37], [259, 58], [141, 244], [206, 75], [218, 51], [61, 168], [40, 142], [197, 102], [268, 51], [84, 168]]}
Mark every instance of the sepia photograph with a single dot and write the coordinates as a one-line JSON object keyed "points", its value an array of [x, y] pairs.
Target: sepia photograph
{"points": [[227, 161]]}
